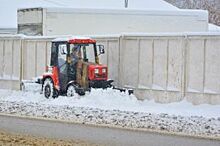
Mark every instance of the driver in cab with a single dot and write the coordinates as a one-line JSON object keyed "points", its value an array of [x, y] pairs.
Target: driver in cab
{"points": [[75, 54]]}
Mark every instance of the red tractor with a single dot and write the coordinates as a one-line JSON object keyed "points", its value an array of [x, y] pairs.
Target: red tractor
{"points": [[74, 68]]}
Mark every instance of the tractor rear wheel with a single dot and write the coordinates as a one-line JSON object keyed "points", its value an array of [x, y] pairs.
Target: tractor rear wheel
{"points": [[48, 89], [71, 91]]}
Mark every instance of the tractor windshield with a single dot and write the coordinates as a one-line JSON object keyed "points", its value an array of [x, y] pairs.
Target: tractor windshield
{"points": [[82, 51]]}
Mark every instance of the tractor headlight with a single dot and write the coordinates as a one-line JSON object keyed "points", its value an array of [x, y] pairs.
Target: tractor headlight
{"points": [[104, 70], [96, 71]]}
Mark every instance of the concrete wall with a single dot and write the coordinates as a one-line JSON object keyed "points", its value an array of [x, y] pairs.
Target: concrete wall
{"points": [[64, 21], [166, 68], [36, 55], [203, 70], [10, 62], [154, 66]]}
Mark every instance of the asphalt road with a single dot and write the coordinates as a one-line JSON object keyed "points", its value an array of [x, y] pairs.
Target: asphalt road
{"points": [[95, 134]]}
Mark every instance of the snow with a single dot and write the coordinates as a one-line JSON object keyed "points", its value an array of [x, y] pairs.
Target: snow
{"points": [[151, 4], [9, 77], [133, 4], [111, 100], [70, 38], [172, 88], [114, 108], [214, 28], [210, 91], [171, 34], [15, 78], [6, 77], [157, 87], [143, 87], [192, 90], [157, 34], [10, 7]]}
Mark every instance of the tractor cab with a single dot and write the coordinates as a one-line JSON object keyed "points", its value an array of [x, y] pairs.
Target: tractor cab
{"points": [[74, 67]]}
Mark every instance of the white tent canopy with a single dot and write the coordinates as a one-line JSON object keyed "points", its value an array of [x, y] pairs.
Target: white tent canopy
{"points": [[8, 8]]}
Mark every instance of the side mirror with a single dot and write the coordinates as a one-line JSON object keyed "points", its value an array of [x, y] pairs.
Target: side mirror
{"points": [[101, 49]]}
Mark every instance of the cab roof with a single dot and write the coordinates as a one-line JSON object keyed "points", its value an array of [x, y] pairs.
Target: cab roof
{"points": [[75, 40]]}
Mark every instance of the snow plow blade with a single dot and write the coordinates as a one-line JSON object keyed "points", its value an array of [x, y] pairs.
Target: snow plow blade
{"points": [[130, 91], [101, 84]]}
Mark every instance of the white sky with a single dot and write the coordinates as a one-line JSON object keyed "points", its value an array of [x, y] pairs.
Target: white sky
{"points": [[8, 8]]}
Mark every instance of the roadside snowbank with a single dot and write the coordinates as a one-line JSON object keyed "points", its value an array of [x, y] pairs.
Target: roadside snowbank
{"points": [[194, 125], [113, 108], [113, 100]]}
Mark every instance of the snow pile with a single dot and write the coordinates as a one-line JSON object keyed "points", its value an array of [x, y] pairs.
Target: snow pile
{"points": [[114, 108], [194, 125], [111, 100], [214, 28]]}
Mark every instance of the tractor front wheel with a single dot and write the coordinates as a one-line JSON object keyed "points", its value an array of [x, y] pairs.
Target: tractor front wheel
{"points": [[48, 89]]}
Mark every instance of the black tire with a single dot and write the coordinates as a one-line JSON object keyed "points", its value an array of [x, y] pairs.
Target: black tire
{"points": [[48, 89]]}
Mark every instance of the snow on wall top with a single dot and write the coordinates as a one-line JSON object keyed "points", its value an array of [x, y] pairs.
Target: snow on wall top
{"points": [[214, 28], [161, 34], [10, 7], [65, 39], [120, 4], [201, 14]]}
